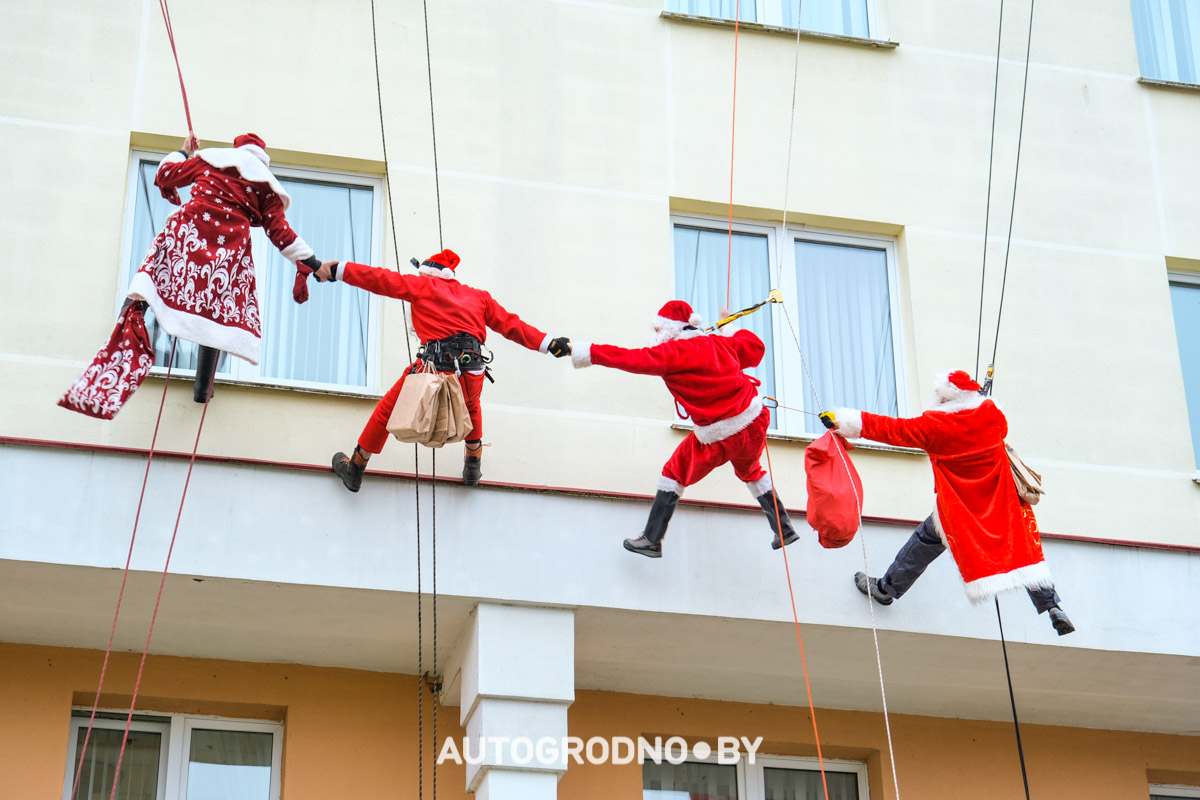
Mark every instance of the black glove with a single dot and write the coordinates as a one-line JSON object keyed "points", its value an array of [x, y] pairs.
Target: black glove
{"points": [[560, 347], [312, 262], [828, 420]]}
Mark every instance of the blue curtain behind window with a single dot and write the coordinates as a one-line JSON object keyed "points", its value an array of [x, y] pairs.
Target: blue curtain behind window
{"points": [[701, 267], [844, 17], [1168, 38], [845, 327], [721, 9], [1185, 302]]}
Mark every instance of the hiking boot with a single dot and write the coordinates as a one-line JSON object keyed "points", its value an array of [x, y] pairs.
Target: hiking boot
{"points": [[472, 470], [350, 473], [867, 584], [644, 547], [769, 502], [1060, 621]]}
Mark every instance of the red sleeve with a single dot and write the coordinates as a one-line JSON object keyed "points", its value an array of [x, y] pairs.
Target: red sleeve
{"points": [[175, 171], [749, 348], [278, 230], [377, 280], [662, 359], [912, 432], [512, 327]]}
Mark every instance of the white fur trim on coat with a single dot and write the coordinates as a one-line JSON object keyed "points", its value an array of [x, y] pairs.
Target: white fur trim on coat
{"points": [[666, 484], [760, 487], [724, 428], [544, 347], [966, 401], [173, 158], [249, 164], [437, 272], [234, 341], [848, 421], [1034, 576], [297, 250], [581, 354], [667, 329]]}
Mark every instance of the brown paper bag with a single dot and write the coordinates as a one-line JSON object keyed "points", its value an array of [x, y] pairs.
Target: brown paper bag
{"points": [[1029, 483], [415, 414]]}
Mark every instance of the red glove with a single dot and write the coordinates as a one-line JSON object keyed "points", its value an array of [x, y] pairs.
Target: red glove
{"points": [[300, 288]]}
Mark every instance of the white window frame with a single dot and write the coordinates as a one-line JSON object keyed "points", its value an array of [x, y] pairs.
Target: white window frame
{"points": [[751, 781], [177, 735], [1174, 790], [241, 372], [770, 13], [791, 386]]}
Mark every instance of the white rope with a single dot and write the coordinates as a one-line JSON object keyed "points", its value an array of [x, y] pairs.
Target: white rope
{"points": [[787, 172]]}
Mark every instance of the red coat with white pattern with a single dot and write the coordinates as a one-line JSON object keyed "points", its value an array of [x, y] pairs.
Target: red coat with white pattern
{"points": [[991, 532], [442, 307], [199, 274]]}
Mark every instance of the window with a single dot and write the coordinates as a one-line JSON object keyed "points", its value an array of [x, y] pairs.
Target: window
{"points": [[176, 757], [1173, 792], [326, 343], [843, 17], [1168, 39], [768, 778], [1185, 302], [841, 296]]}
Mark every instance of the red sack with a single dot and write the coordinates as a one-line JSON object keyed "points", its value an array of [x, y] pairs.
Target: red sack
{"points": [[834, 491], [117, 370]]}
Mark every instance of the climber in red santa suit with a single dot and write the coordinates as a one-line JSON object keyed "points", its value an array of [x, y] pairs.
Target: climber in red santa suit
{"points": [[198, 277], [705, 376], [451, 320], [989, 530]]}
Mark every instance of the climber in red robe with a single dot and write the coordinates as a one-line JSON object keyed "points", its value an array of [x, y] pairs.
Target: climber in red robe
{"points": [[978, 515], [451, 320], [705, 376]]}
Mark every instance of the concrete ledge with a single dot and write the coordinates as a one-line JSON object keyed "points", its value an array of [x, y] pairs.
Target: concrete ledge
{"points": [[758, 27]]}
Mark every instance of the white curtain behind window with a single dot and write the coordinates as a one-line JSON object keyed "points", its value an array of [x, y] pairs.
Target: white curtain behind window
{"points": [[1168, 38], [803, 784], [139, 767], [701, 269], [325, 339], [845, 327], [689, 781], [721, 9], [229, 765], [844, 17]]}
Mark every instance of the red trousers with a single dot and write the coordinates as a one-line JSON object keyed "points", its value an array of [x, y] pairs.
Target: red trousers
{"points": [[692, 460], [374, 435]]}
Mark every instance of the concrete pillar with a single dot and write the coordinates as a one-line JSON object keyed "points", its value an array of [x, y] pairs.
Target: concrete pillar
{"points": [[513, 675]]}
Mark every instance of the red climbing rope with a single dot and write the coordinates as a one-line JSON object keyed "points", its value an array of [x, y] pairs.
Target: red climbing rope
{"points": [[124, 575], [137, 684], [796, 619], [737, 13], [166, 14]]}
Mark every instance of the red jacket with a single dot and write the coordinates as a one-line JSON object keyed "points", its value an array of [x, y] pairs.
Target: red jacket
{"points": [[442, 307], [703, 373]]}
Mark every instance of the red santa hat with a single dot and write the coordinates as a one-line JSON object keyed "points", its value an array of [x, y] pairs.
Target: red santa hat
{"points": [[676, 320], [253, 144], [955, 388], [440, 265]]}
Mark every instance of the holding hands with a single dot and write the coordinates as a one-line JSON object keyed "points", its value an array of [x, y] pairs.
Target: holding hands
{"points": [[559, 347]]}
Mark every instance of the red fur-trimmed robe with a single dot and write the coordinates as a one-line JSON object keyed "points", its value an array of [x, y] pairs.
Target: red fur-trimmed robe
{"points": [[990, 531]]}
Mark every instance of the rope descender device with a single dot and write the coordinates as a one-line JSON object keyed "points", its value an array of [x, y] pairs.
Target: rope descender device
{"points": [[986, 389], [774, 296]]}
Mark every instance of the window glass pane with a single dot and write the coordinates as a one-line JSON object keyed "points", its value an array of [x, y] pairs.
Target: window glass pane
{"points": [[229, 765], [721, 9], [139, 767], [702, 271], [804, 784], [325, 339], [845, 326], [1185, 300], [689, 781], [844, 17], [1168, 38]]}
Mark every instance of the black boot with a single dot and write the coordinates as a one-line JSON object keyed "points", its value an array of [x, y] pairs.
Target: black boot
{"points": [[350, 472], [649, 544], [770, 502], [472, 470], [206, 370], [871, 585], [1061, 622]]}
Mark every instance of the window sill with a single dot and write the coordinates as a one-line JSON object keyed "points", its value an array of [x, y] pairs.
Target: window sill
{"points": [[757, 27], [809, 438], [1187, 87], [333, 391]]}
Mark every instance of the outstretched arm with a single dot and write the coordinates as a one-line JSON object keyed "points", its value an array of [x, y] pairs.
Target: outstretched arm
{"points": [[375, 280], [662, 359], [513, 328], [911, 432]]}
